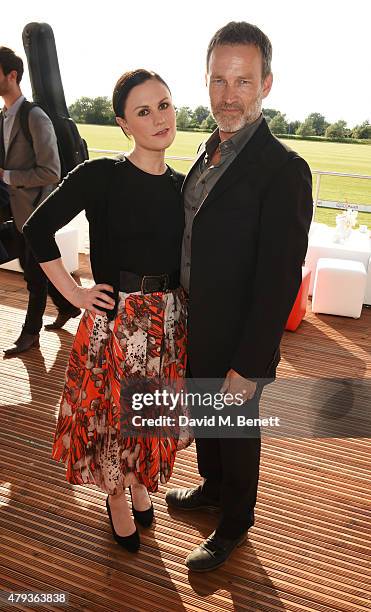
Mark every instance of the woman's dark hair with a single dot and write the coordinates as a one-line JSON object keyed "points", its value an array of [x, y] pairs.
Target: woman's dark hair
{"points": [[126, 83], [10, 61], [243, 33]]}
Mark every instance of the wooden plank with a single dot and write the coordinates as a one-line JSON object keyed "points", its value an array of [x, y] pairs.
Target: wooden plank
{"points": [[309, 550]]}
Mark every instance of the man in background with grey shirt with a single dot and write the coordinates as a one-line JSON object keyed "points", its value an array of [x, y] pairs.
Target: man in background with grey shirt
{"points": [[31, 171], [248, 208]]}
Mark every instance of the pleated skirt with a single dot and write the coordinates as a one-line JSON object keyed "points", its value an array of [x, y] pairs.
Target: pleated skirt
{"points": [[146, 341]]}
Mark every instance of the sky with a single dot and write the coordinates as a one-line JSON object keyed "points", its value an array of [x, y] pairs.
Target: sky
{"points": [[321, 48]]}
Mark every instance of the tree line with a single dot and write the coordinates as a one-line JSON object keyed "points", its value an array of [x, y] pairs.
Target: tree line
{"points": [[99, 111], [315, 124]]}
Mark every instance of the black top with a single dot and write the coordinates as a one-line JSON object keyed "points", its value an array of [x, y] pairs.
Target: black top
{"points": [[136, 219]]}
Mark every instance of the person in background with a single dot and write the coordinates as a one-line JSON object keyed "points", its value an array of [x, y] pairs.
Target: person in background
{"points": [[31, 172], [4, 216], [248, 206], [133, 330]]}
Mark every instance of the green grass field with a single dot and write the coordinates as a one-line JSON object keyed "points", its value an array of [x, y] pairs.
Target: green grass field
{"points": [[336, 157]]}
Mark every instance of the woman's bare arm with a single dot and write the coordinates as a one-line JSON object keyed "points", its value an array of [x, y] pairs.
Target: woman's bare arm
{"points": [[82, 297]]}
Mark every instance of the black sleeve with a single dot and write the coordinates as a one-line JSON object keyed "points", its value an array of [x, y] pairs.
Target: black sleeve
{"points": [[82, 189], [287, 212], [178, 178]]}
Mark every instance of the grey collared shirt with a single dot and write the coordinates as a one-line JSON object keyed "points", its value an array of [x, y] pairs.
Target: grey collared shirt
{"points": [[201, 180], [8, 122]]}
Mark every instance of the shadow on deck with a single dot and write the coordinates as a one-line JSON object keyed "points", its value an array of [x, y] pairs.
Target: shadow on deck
{"points": [[309, 549]]}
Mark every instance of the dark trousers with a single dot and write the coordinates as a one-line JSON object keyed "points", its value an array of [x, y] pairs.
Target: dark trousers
{"points": [[38, 287], [230, 468]]}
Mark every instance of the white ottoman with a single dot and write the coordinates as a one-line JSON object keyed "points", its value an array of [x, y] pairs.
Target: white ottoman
{"points": [[339, 287], [67, 240]]}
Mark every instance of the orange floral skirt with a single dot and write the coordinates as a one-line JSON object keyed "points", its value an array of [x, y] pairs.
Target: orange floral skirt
{"points": [[145, 341]]}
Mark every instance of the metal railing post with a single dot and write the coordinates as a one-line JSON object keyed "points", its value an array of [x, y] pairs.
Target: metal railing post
{"points": [[318, 185]]}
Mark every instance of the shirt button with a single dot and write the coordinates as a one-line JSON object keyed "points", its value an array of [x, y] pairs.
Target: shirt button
{"points": [[188, 264], [188, 237], [193, 208]]}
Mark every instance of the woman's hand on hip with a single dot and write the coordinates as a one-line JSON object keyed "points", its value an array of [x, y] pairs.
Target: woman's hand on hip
{"points": [[93, 298]]}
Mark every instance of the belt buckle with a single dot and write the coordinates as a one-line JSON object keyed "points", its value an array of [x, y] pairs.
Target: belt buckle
{"points": [[165, 286]]}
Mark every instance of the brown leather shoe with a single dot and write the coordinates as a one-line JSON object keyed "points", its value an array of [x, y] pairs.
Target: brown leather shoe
{"points": [[62, 318], [22, 344]]}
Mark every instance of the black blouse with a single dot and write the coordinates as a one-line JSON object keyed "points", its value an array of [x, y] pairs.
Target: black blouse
{"points": [[136, 219]]}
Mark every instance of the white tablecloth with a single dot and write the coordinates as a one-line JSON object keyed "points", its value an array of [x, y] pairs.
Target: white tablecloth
{"points": [[356, 247]]}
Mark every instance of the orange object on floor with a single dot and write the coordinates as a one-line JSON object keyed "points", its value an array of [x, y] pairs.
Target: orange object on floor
{"points": [[300, 306]]}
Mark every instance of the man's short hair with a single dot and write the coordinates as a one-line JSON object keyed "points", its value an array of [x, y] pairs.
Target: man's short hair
{"points": [[10, 61], [243, 33]]}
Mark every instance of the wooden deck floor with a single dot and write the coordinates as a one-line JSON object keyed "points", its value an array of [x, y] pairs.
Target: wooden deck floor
{"points": [[310, 547]]}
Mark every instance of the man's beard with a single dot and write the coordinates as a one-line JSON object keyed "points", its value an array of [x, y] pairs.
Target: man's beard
{"points": [[236, 123]]}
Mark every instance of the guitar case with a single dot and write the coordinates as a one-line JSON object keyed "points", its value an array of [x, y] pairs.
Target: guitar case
{"points": [[47, 92]]}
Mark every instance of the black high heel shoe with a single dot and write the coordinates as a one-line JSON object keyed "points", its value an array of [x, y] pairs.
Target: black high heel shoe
{"points": [[130, 542], [144, 517]]}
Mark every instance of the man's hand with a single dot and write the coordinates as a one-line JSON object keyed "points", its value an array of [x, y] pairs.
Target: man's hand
{"points": [[1, 173], [234, 383]]}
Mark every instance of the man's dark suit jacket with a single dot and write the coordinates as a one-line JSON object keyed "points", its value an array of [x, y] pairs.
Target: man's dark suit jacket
{"points": [[4, 202], [249, 241]]}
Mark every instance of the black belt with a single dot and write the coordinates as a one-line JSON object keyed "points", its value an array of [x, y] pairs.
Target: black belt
{"points": [[130, 282]]}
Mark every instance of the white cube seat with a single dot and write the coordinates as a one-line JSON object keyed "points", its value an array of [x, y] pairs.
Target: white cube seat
{"points": [[339, 287], [67, 240]]}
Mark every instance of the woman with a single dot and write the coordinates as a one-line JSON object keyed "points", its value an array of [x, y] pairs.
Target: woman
{"points": [[133, 328]]}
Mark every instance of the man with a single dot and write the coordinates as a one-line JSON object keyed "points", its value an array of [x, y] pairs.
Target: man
{"points": [[4, 215], [248, 205], [31, 172]]}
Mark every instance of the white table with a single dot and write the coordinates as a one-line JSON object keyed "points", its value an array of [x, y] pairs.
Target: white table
{"points": [[356, 247]]}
